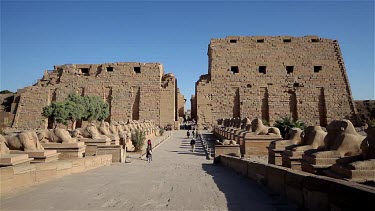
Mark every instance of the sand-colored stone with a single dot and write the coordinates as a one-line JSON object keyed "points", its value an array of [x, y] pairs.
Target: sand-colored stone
{"points": [[362, 169], [341, 142], [14, 159], [67, 150], [312, 138], [276, 148], [134, 90], [266, 77]]}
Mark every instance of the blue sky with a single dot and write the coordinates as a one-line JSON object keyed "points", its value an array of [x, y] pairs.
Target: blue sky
{"points": [[36, 35]]}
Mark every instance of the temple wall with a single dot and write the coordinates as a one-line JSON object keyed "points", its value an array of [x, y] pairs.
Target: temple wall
{"points": [[204, 102], [167, 102], [270, 77], [133, 91]]}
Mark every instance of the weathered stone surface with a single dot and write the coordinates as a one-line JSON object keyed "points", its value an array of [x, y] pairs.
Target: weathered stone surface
{"points": [[133, 90], [268, 77]]}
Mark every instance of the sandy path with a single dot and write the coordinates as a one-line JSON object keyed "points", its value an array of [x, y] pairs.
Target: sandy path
{"points": [[177, 179]]}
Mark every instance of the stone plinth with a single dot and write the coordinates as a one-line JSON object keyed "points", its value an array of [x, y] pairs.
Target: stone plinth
{"points": [[292, 159], [14, 159], [233, 150], [18, 176], [254, 145], [115, 139], [364, 173], [274, 156], [117, 152], [91, 149], [67, 150], [316, 165], [97, 141], [40, 156]]}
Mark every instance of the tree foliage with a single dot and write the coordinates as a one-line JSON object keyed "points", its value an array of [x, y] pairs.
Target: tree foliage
{"points": [[5, 91], [286, 123], [76, 107]]}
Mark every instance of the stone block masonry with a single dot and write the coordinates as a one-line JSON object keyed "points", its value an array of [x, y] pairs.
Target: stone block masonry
{"points": [[135, 91], [270, 77]]}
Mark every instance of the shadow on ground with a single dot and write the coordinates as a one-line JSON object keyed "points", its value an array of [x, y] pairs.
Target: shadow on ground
{"points": [[243, 193]]}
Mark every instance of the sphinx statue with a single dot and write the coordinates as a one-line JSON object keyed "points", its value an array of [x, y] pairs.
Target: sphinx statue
{"points": [[104, 128], [24, 141], [4, 150], [91, 131], [361, 168], [55, 135], [341, 141], [276, 148], [312, 138], [126, 135], [258, 128], [113, 128], [226, 142], [20, 148]]}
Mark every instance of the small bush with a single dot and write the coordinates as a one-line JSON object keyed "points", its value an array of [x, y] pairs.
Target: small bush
{"points": [[161, 131], [371, 123], [286, 123], [138, 139], [265, 122]]}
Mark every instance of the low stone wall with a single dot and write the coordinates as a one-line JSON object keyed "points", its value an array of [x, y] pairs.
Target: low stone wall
{"points": [[30, 174], [233, 150], [308, 191]]}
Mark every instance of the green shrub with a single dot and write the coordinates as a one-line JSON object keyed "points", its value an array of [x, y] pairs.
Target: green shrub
{"points": [[285, 123], [371, 123], [138, 139], [265, 122], [161, 131]]}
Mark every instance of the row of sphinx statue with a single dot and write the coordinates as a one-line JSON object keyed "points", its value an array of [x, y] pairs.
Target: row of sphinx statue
{"points": [[338, 150], [31, 140]]}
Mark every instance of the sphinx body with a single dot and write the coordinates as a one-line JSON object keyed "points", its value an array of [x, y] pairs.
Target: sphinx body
{"points": [[24, 141], [56, 135]]}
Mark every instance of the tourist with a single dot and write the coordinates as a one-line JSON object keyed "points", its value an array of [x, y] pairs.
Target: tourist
{"points": [[193, 133], [149, 153], [192, 144], [188, 133], [149, 143]]}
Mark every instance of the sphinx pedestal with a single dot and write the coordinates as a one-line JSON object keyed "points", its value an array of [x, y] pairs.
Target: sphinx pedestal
{"points": [[292, 159], [274, 156], [118, 153], [67, 150], [40, 156], [233, 150], [256, 145], [358, 171], [91, 143], [14, 159]]}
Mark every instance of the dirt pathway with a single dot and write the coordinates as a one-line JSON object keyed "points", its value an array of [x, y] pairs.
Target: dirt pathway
{"points": [[177, 179]]}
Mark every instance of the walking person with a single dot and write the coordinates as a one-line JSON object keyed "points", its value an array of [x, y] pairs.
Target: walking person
{"points": [[149, 143], [188, 133], [192, 144], [193, 133], [149, 153]]}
